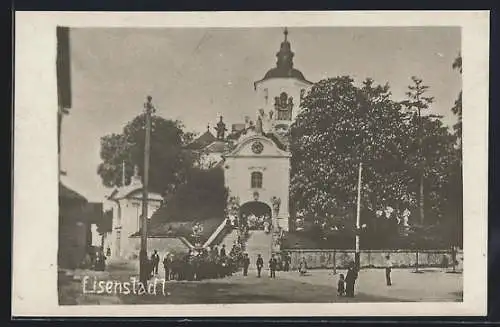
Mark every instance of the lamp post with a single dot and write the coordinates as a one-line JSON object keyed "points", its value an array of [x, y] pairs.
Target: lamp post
{"points": [[143, 255]]}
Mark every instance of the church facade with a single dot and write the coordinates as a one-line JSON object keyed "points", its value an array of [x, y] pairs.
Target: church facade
{"points": [[257, 164]]}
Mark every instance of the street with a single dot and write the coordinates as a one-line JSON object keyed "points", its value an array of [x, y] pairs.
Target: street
{"points": [[318, 286]]}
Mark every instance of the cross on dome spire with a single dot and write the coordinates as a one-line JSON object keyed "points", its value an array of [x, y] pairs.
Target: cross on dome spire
{"points": [[285, 55], [284, 63]]}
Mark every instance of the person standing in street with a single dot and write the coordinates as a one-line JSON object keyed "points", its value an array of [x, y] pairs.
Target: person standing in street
{"points": [[223, 251], [155, 260], [246, 264], [167, 265], [273, 263], [303, 266], [350, 280], [341, 286], [260, 264], [388, 269], [288, 260]]}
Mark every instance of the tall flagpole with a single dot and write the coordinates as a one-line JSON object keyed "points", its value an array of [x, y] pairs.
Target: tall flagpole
{"points": [[143, 255], [358, 217]]}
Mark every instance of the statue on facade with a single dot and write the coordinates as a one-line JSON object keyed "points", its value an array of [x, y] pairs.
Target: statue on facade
{"points": [[136, 179], [276, 202], [258, 126], [233, 205], [221, 129]]}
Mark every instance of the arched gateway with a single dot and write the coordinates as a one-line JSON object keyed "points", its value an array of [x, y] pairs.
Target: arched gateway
{"points": [[254, 214]]}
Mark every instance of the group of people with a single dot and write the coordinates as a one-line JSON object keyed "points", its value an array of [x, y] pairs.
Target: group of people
{"points": [[345, 285], [262, 222], [200, 264]]}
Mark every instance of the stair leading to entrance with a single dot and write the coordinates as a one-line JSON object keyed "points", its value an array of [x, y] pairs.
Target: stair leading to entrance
{"points": [[259, 243], [229, 240]]}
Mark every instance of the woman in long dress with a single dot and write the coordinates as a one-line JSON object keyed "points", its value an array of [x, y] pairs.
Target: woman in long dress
{"points": [[303, 266]]}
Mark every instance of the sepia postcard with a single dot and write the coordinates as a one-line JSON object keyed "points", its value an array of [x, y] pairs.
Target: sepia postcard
{"points": [[250, 164]]}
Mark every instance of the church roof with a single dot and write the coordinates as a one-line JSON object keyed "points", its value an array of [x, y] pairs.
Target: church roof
{"points": [[201, 142], [280, 141], [217, 147], [134, 187], [284, 64], [68, 194], [238, 127], [278, 72]]}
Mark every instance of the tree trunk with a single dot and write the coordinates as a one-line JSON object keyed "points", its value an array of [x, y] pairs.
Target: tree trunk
{"points": [[454, 257], [421, 198], [334, 263]]}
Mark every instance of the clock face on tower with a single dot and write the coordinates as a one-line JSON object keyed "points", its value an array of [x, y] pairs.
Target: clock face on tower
{"points": [[257, 147]]}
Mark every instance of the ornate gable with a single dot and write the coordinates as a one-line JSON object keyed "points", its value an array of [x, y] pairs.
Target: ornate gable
{"points": [[257, 146]]}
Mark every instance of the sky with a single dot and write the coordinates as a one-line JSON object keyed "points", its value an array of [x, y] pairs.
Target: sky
{"points": [[197, 74]]}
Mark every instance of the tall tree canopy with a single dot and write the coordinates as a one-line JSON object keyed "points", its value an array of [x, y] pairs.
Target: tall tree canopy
{"points": [[416, 105], [457, 107], [342, 125], [168, 162]]}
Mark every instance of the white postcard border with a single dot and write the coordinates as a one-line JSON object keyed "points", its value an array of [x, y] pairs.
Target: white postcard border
{"points": [[35, 223]]}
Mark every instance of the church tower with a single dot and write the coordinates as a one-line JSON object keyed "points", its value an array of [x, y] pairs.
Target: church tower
{"points": [[280, 91]]}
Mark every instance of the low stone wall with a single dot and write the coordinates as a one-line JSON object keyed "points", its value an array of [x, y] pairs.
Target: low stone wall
{"points": [[326, 259]]}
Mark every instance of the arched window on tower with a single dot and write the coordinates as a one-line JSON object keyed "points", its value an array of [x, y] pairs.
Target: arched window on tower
{"points": [[256, 179]]}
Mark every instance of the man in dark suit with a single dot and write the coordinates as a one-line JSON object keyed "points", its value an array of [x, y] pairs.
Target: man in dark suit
{"points": [[155, 260], [260, 264], [273, 263], [246, 264], [350, 280]]}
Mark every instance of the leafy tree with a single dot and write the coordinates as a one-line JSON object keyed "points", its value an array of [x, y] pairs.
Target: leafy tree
{"points": [[455, 221], [415, 104], [340, 126], [457, 107], [202, 196], [168, 162]]}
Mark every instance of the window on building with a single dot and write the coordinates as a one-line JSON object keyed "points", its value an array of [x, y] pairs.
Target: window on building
{"points": [[256, 179]]}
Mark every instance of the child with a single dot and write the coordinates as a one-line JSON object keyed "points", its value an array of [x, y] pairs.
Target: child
{"points": [[341, 286]]}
